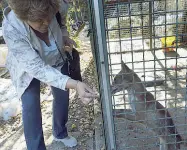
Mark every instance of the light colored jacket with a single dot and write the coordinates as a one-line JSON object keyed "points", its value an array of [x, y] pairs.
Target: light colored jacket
{"points": [[25, 59]]}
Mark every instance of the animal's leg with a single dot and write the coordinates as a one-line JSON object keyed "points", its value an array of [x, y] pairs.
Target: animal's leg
{"points": [[163, 145], [125, 113]]}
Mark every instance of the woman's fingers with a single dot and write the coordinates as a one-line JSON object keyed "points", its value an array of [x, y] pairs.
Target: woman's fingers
{"points": [[74, 43], [71, 43], [90, 95], [86, 93], [90, 90], [86, 100], [68, 48]]}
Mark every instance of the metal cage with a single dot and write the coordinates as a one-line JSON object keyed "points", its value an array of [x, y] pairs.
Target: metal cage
{"points": [[150, 37]]}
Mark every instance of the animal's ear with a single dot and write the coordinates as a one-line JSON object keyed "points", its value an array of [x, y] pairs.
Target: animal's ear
{"points": [[124, 66]]}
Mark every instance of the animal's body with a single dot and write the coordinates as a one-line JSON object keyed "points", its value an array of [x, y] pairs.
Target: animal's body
{"points": [[146, 109]]}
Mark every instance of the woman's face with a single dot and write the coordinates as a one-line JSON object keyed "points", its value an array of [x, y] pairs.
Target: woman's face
{"points": [[41, 25]]}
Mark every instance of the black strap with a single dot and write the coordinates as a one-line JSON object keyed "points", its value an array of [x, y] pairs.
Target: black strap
{"points": [[59, 19], [74, 63]]}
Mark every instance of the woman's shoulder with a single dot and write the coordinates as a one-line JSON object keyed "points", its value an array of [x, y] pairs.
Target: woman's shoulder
{"points": [[12, 26], [64, 5]]}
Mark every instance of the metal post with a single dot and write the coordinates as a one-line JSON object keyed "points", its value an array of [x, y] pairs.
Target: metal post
{"points": [[150, 24], [106, 94]]}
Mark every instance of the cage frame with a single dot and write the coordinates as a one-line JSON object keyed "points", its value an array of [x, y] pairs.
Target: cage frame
{"points": [[99, 49]]}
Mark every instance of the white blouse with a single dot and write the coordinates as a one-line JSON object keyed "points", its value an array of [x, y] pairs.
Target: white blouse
{"points": [[28, 58], [52, 52]]}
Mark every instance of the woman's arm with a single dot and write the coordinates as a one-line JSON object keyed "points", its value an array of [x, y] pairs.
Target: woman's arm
{"points": [[29, 60]]}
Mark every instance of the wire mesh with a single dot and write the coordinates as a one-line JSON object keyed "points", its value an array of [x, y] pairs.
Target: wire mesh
{"points": [[149, 88]]}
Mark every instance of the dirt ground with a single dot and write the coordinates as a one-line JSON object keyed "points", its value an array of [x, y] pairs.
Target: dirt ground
{"points": [[81, 117]]}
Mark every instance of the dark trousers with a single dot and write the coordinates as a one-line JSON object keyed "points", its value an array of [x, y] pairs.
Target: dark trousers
{"points": [[31, 113]]}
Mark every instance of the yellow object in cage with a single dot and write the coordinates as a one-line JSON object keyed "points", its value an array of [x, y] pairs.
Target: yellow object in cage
{"points": [[168, 43]]}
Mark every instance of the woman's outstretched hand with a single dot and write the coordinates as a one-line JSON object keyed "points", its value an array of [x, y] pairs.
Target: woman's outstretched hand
{"points": [[84, 91]]}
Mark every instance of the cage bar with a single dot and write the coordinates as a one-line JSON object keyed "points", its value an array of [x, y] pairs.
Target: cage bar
{"points": [[140, 48]]}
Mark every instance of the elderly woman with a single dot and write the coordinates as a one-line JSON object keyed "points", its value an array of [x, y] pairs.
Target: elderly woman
{"points": [[36, 54]]}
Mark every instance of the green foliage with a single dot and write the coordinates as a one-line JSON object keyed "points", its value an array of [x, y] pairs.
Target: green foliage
{"points": [[77, 12], [1, 15]]}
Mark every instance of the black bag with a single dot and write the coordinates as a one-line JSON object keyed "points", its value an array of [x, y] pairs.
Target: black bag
{"points": [[74, 60], [74, 65]]}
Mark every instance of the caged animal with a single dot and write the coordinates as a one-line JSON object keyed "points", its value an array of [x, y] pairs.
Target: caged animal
{"points": [[145, 109]]}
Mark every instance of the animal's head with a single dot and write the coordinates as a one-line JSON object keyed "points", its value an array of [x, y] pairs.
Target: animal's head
{"points": [[123, 79]]}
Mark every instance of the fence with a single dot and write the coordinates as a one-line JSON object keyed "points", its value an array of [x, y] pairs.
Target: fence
{"points": [[145, 108]]}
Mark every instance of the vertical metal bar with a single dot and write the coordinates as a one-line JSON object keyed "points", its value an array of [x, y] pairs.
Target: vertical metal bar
{"points": [[165, 58], [185, 107], [176, 63], [109, 61], [100, 27], [153, 12], [131, 35], [184, 37], [183, 40], [150, 25]]}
